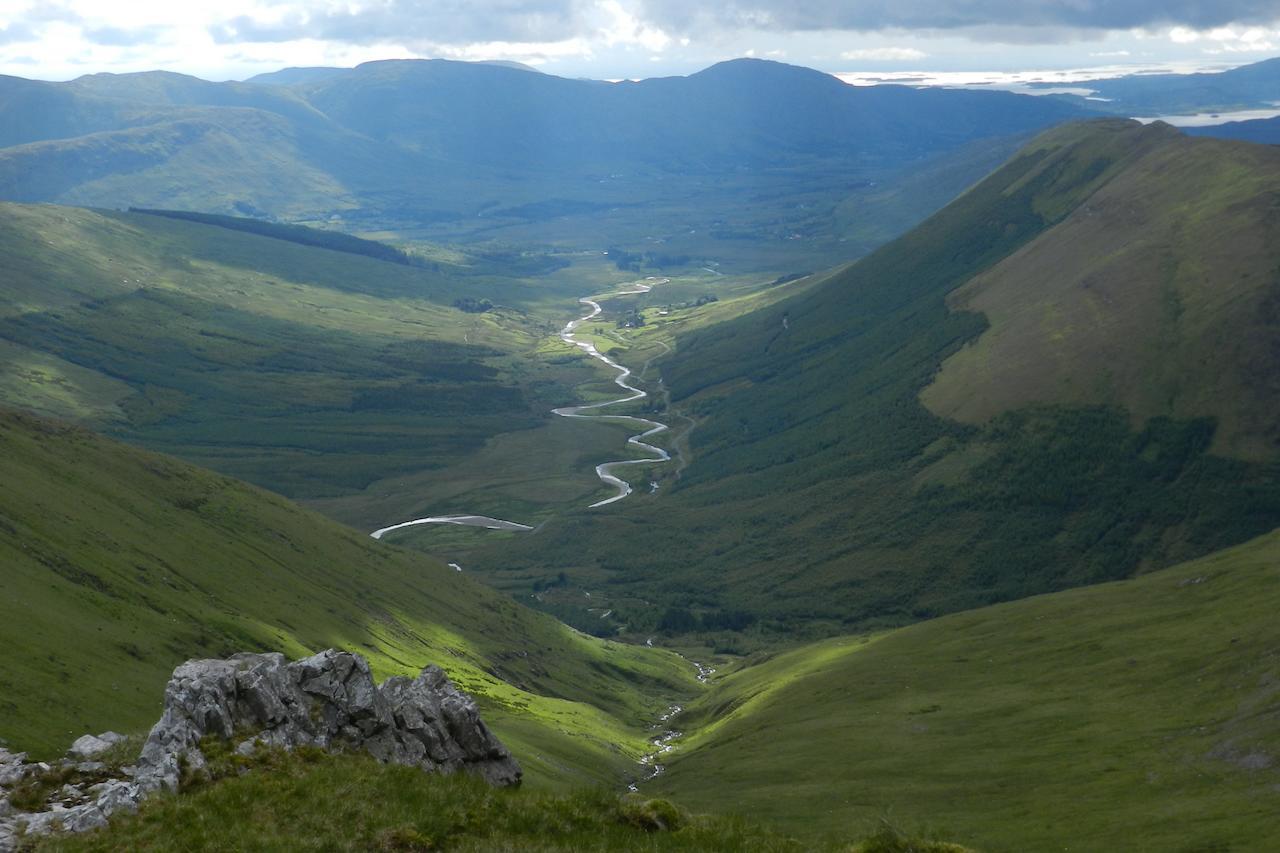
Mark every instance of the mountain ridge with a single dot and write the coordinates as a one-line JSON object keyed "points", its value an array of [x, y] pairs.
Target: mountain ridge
{"points": [[825, 496], [388, 142]]}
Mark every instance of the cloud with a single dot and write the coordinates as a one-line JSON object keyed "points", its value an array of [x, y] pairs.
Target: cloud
{"points": [[21, 23], [885, 54], [16, 33], [404, 21], [1058, 16], [124, 37]]}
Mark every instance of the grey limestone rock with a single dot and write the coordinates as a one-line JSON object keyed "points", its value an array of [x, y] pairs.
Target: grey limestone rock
{"points": [[91, 746], [115, 796], [328, 700]]}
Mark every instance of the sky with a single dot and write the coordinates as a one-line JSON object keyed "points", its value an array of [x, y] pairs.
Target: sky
{"points": [[617, 39]]}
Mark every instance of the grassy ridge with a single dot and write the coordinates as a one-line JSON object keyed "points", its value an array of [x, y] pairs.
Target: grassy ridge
{"points": [[825, 495], [333, 240], [1138, 715], [120, 564]]}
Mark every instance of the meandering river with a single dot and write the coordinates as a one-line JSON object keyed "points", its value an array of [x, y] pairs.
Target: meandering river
{"points": [[604, 470]]}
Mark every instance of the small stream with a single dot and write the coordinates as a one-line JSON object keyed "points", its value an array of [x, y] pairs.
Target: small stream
{"points": [[665, 740]]}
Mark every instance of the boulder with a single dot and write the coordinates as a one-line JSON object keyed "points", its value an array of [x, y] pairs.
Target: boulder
{"points": [[328, 700], [12, 767], [115, 796], [91, 746]]}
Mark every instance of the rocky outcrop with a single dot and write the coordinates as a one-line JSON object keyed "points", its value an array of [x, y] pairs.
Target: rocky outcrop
{"points": [[328, 700]]}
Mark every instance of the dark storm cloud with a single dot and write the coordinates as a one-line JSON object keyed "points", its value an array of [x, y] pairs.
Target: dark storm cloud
{"points": [[868, 15], [442, 21]]}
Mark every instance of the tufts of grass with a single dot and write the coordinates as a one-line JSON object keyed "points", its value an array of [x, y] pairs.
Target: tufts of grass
{"points": [[292, 801]]}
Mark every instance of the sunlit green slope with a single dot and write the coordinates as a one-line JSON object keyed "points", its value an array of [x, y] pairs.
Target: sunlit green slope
{"points": [[1137, 715], [117, 564]]}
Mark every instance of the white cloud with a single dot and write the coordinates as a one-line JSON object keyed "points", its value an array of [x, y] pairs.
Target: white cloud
{"points": [[530, 53], [885, 54], [1231, 39]]}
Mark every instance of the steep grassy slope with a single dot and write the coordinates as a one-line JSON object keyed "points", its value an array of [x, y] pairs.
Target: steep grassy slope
{"points": [[305, 370], [1159, 295], [1138, 715], [120, 564], [822, 490]]}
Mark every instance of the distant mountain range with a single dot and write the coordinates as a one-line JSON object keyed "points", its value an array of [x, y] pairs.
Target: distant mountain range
{"points": [[427, 141], [1250, 86], [1265, 131]]}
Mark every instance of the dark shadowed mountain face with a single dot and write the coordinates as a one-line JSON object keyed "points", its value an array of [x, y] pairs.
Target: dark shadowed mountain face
{"points": [[430, 140]]}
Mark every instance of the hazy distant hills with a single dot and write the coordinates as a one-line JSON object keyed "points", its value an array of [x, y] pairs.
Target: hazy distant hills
{"points": [[421, 141], [1250, 86], [744, 113], [1265, 131], [1091, 331]]}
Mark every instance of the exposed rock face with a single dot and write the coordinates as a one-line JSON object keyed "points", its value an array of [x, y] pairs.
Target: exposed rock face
{"points": [[328, 700]]}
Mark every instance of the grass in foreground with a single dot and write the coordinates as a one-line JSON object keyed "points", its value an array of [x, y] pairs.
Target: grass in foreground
{"points": [[312, 801]]}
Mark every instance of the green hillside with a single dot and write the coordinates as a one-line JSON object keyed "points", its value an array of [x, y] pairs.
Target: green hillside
{"points": [[308, 371], [120, 564], [1171, 311], [823, 494], [1137, 715]]}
